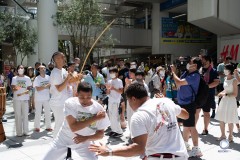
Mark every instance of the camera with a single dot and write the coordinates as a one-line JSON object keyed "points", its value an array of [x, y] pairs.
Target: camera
{"points": [[182, 62]]}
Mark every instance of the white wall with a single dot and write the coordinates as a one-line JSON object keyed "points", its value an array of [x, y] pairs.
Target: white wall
{"points": [[229, 12], [199, 9]]}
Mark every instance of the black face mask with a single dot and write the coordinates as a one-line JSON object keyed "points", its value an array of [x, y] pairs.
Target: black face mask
{"points": [[50, 68]]}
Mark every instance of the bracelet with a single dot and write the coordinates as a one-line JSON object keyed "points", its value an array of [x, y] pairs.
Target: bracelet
{"points": [[109, 150]]}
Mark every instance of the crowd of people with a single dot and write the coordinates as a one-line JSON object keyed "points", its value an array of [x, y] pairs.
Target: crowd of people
{"points": [[155, 99]]}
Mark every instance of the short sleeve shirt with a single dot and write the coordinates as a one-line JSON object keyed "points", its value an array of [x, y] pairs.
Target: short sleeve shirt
{"points": [[115, 96], [220, 68], [185, 94], [99, 79], [157, 118], [57, 77], [22, 82], [44, 94], [74, 108], [213, 75]]}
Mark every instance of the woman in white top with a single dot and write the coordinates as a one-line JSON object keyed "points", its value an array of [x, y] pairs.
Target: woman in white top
{"points": [[21, 85], [227, 109]]}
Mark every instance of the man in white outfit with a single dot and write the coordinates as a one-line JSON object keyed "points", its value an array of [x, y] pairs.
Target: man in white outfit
{"points": [[85, 121], [58, 80], [114, 91], [42, 96], [154, 129]]}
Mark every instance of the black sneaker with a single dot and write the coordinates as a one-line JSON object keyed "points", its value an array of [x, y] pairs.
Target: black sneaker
{"points": [[116, 135], [110, 133]]}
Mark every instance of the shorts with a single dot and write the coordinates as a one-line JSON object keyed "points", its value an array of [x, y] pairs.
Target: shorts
{"points": [[191, 109], [210, 103]]}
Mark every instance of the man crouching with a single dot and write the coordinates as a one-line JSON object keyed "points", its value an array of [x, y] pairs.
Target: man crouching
{"points": [[85, 121]]}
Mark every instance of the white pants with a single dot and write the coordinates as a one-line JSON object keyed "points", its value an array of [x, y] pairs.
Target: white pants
{"points": [[58, 152], [21, 109], [114, 117], [59, 117], [161, 158], [129, 114], [38, 111]]}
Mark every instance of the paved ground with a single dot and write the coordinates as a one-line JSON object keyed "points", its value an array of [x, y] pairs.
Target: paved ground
{"points": [[35, 146]]}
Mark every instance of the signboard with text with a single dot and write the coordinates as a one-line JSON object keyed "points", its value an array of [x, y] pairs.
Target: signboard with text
{"points": [[230, 48], [181, 32]]}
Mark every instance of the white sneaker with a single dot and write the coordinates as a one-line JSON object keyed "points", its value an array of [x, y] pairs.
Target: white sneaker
{"points": [[189, 148], [196, 152]]}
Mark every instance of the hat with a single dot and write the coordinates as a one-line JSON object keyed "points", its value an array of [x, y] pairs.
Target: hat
{"points": [[159, 68], [70, 63]]}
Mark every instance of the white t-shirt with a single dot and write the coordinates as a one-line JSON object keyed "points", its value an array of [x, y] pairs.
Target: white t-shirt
{"points": [[74, 108], [157, 118], [114, 96], [44, 94], [22, 82], [105, 70], [57, 77]]}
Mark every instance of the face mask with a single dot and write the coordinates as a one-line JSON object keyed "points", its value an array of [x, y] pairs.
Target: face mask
{"points": [[238, 70], [50, 68], [84, 76], [77, 65], [112, 75], [188, 66], [21, 71], [162, 73], [226, 72]]}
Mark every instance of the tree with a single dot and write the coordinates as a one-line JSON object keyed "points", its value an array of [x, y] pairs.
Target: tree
{"points": [[16, 31], [83, 21]]}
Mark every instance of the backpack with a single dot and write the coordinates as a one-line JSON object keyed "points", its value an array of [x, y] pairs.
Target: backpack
{"points": [[151, 86], [202, 95]]}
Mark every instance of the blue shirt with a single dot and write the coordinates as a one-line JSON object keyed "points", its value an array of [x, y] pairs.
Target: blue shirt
{"points": [[185, 93], [99, 79]]}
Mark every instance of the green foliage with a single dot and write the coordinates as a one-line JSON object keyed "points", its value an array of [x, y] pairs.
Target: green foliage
{"points": [[16, 31], [83, 21]]}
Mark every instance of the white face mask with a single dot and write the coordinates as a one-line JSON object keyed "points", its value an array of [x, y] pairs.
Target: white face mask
{"points": [[162, 73], [188, 66], [113, 75], [238, 70], [226, 72], [77, 65], [84, 76], [20, 71]]}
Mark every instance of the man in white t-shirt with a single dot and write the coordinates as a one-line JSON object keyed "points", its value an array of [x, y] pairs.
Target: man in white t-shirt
{"points": [[58, 80], [114, 91], [85, 121], [42, 96], [154, 128]]}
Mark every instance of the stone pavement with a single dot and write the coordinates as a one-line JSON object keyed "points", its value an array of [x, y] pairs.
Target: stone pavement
{"points": [[34, 146]]}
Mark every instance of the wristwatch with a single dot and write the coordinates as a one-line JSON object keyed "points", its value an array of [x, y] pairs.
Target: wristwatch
{"points": [[109, 150]]}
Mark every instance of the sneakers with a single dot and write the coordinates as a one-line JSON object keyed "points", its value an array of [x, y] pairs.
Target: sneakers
{"points": [[116, 135], [196, 152], [189, 148]]}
